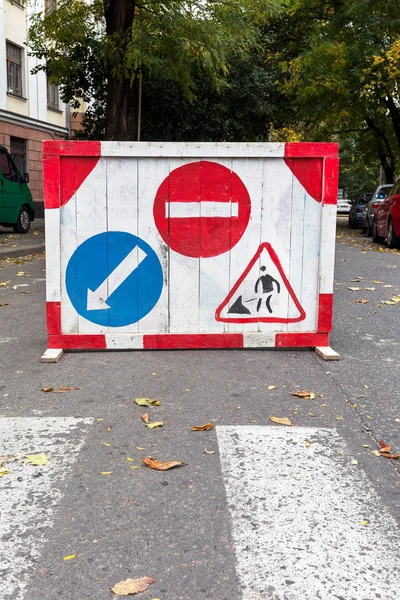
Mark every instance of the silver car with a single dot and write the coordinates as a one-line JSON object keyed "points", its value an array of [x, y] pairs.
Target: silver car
{"points": [[368, 215]]}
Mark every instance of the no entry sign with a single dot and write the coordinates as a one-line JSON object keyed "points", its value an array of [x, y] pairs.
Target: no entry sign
{"points": [[202, 209]]}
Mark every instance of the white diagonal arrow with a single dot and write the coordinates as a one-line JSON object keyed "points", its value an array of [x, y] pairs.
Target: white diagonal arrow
{"points": [[96, 300]]}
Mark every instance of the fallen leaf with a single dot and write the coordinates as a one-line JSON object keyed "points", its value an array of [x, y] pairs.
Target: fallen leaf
{"points": [[129, 459], [376, 281], [364, 522], [108, 428], [106, 472], [375, 453], [388, 302], [67, 389], [397, 420], [205, 427], [5, 283], [3, 460], [384, 447], [3, 303], [362, 301], [69, 557], [370, 289], [145, 418], [281, 420], [104, 444], [132, 586], [147, 402], [3, 471], [308, 443], [47, 389], [303, 394], [158, 465], [36, 459], [354, 462], [339, 418], [140, 448], [155, 424], [354, 289], [394, 456], [133, 467], [272, 387], [312, 414], [209, 451], [20, 273]]}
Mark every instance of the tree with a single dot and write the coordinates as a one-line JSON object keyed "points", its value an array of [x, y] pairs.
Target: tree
{"points": [[98, 52], [340, 63]]}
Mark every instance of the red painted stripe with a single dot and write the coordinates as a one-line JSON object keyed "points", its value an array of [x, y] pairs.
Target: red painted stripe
{"points": [[331, 180], [325, 305], [301, 340], [197, 340], [70, 148], [53, 318], [311, 149], [78, 342], [51, 181], [308, 171]]}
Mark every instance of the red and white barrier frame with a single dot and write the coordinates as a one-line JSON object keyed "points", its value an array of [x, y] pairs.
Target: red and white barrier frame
{"points": [[189, 245]]}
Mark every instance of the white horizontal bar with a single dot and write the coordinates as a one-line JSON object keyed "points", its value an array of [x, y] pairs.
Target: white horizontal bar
{"points": [[188, 210], [124, 341], [259, 340], [194, 150]]}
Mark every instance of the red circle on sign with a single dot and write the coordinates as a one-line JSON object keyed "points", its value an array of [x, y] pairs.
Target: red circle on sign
{"points": [[202, 209]]}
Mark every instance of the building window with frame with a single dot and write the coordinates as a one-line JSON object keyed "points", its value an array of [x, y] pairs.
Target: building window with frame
{"points": [[14, 69], [53, 96], [18, 153]]}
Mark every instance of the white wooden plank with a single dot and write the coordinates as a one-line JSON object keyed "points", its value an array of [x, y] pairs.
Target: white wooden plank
{"points": [[327, 253], [51, 355], [187, 150], [69, 316], [151, 173], [184, 285], [327, 353], [91, 219], [213, 275], [53, 249]]}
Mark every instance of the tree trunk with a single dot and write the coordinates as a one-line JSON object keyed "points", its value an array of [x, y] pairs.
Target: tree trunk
{"points": [[122, 96], [395, 116], [384, 151]]}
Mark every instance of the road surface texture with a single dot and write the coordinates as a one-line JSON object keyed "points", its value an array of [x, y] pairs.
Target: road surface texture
{"points": [[260, 511]]}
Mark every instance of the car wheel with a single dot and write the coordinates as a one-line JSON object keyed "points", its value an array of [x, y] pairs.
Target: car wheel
{"points": [[23, 223], [375, 236], [392, 240]]}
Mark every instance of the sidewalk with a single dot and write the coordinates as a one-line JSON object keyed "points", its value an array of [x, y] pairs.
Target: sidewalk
{"points": [[17, 244]]}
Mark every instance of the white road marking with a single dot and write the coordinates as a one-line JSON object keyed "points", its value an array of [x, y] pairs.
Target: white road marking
{"points": [[205, 208], [97, 300], [296, 518], [29, 495]]}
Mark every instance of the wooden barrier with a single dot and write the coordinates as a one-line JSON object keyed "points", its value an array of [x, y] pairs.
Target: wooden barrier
{"points": [[197, 245]]}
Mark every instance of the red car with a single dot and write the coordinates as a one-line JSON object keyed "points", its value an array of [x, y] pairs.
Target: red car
{"points": [[387, 219]]}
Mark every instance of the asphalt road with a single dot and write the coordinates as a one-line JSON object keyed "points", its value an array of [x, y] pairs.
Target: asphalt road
{"points": [[262, 514]]}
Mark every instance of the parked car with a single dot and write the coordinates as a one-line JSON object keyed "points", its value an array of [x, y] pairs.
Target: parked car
{"points": [[16, 206], [387, 219], [343, 207], [368, 214], [357, 207]]}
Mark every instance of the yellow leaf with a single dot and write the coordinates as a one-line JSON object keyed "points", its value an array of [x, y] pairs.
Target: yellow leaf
{"points": [[130, 459], [308, 443], [354, 462], [36, 459], [105, 444], [312, 414], [354, 289], [158, 465], [139, 448], [272, 387], [132, 586], [155, 424], [145, 418], [280, 420], [69, 557], [47, 389], [101, 419], [364, 522], [3, 471], [209, 451], [133, 467], [339, 418], [147, 402], [106, 472], [5, 283]]}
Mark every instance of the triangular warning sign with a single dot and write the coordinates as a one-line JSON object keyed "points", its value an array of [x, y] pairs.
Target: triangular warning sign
{"points": [[262, 293]]}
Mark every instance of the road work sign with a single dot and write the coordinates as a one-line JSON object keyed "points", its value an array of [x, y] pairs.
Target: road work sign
{"points": [[199, 245]]}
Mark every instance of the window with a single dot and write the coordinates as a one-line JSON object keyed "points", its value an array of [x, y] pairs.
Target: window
{"points": [[18, 153], [7, 168], [53, 96], [14, 69]]}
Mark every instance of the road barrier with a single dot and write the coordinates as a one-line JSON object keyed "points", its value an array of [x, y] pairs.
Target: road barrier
{"points": [[197, 245]]}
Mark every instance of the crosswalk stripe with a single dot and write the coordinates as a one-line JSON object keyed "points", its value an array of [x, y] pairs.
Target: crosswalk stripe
{"points": [[306, 522], [29, 494]]}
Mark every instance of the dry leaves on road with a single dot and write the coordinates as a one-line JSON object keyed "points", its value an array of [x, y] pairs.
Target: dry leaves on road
{"points": [[354, 289], [155, 424], [308, 443], [362, 301], [205, 427], [385, 450], [303, 394], [132, 586], [3, 471], [147, 402], [158, 465], [281, 420], [36, 459], [61, 389], [145, 418]]}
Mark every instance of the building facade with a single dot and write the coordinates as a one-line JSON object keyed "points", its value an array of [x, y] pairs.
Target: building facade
{"points": [[30, 108]]}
